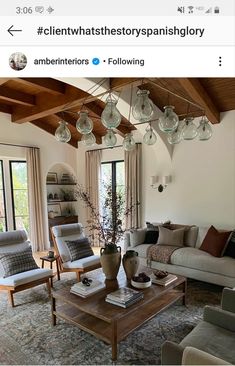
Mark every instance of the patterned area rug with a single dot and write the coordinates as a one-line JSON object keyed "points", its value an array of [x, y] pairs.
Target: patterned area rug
{"points": [[27, 337]]}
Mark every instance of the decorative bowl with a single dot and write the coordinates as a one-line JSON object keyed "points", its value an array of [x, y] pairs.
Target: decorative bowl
{"points": [[141, 284], [160, 274]]}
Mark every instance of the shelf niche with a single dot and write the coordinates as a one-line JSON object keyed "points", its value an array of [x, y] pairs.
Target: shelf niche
{"points": [[61, 199]]}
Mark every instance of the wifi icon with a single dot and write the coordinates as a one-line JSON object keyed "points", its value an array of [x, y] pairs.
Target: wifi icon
{"points": [[190, 9]]}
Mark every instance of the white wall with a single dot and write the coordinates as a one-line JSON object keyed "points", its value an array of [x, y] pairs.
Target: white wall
{"points": [[51, 151], [202, 191]]}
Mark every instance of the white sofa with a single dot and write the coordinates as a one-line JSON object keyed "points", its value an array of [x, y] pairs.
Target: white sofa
{"points": [[188, 261]]}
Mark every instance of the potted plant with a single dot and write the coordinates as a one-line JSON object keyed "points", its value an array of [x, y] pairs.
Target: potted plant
{"points": [[106, 226]]}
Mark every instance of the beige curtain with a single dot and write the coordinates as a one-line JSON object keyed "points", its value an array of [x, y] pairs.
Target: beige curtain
{"points": [[93, 165], [35, 199], [133, 185]]}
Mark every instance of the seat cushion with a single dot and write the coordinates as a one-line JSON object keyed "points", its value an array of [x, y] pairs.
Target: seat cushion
{"points": [[17, 262], [26, 277], [79, 248], [198, 259], [212, 339], [83, 263]]}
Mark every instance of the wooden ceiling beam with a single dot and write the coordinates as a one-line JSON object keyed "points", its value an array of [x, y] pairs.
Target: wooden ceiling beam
{"points": [[15, 96], [45, 84], [47, 104], [199, 95], [4, 80], [5, 108], [42, 123], [121, 83]]}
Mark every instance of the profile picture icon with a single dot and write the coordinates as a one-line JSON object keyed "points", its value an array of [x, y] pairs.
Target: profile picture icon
{"points": [[18, 61]]}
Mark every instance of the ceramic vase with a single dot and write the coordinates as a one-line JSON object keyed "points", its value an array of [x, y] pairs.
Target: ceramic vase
{"points": [[130, 263], [110, 261]]}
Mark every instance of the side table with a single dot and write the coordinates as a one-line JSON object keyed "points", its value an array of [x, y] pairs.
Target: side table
{"points": [[51, 260]]}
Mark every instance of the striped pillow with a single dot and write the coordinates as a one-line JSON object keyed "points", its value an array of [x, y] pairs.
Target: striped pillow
{"points": [[79, 248], [17, 262]]}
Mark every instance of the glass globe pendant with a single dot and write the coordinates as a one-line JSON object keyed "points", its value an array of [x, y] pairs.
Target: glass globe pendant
{"points": [[169, 121], [149, 137], [111, 117], [110, 138], [189, 131], [174, 137], [143, 107], [88, 139], [204, 130], [84, 124], [128, 142], [62, 133]]}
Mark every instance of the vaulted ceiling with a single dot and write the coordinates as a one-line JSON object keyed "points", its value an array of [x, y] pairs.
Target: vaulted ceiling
{"points": [[43, 101]]}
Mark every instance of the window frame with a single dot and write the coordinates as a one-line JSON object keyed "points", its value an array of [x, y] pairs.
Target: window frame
{"points": [[4, 193], [12, 190]]}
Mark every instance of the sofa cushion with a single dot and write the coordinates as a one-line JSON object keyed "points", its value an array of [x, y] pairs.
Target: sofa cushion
{"points": [[230, 248], [212, 339], [142, 250], [137, 237], [151, 237], [26, 277], [171, 237], [17, 262], [79, 248], [203, 261], [215, 241]]}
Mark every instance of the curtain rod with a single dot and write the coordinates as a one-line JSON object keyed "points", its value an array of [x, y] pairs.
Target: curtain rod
{"points": [[17, 145], [110, 148]]}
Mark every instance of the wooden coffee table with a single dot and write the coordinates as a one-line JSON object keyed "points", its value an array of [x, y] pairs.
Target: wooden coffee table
{"points": [[109, 322]]}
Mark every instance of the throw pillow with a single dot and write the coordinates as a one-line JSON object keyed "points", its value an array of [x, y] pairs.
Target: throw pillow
{"points": [[137, 237], [230, 249], [151, 237], [171, 237], [79, 248], [215, 241], [17, 262]]}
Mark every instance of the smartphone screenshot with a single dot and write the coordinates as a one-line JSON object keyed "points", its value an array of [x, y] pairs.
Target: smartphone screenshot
{"points": [[117, 182]]}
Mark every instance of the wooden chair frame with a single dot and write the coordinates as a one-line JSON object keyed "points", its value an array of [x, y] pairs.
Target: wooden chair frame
{"points": [[78, 270], [13, 289]]}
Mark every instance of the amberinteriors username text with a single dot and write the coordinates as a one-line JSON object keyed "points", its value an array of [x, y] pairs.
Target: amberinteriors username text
{"points": [[122, 31]]}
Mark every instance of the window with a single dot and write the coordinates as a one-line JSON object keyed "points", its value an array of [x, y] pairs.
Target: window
{"points": [[19, 187], [112, 174], [3, 221]]}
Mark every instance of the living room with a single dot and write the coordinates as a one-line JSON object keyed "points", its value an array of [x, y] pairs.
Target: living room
{"points": [[190, 183]]}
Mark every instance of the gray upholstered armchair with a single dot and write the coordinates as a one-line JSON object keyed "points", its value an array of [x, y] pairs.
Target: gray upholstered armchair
{"points": [[215, 334]]}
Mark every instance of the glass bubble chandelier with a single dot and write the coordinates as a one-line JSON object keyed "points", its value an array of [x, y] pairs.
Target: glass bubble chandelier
{"points": [[204, 130], [128, 142], [142, 109], [111, 117], [62, 133], [110, 138], [169, 121], [88, 139], [84, 124], [149, 137]]}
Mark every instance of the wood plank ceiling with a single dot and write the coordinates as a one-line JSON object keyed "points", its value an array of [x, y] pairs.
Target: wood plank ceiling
{"points": [[42, 101]]}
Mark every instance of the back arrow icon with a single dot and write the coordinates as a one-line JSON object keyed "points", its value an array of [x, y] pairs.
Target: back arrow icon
{"points": [[10, 30]]}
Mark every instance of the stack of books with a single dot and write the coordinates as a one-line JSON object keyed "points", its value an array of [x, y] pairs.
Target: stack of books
{"points": [[124, 297], [85, 291], [163, 281]]}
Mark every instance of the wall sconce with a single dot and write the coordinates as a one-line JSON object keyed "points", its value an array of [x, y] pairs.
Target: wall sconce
{"points": [[153, 181], [165, 181]]}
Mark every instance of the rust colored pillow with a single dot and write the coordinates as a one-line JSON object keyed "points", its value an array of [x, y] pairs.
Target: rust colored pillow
{"points": [[215, 241]]}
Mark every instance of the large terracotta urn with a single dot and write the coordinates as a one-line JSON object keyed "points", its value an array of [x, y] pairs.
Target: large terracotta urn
{"points": [[110, 259], [130, 263]]}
